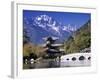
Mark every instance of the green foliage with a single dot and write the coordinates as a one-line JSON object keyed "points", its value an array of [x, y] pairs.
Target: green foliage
{"points": [[81, 39]]}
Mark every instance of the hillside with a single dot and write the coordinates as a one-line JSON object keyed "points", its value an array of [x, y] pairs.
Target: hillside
{"points": [[80, 40]]}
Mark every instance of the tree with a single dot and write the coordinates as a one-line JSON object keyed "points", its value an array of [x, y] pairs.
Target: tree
{"points": [[80, 41]]}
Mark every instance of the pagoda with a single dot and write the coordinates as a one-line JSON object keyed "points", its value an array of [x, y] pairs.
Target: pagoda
{"points": [[53, 50]]}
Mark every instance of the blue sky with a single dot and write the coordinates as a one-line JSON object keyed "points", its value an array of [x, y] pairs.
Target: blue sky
{"points": [[65, 18]]}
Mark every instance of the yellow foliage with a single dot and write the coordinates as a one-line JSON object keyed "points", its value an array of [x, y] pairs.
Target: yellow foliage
{"points": [[35, 49]]}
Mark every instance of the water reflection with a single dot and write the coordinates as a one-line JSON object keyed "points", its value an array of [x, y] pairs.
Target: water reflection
{"points": [[55, 64]]}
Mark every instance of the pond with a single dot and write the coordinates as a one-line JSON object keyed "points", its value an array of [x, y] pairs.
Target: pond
{"points": [[56, 64]]}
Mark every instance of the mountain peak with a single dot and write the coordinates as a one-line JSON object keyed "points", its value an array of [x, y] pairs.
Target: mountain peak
{"points": [[69, 28], [42, 18], [44, 25], [46, 22]]}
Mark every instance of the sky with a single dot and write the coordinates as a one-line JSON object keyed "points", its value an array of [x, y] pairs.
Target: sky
{"points": [[65, 18]]}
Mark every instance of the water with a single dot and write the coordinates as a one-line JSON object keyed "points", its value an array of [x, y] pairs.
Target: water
{"points": [[57, 64], [76, 63]]}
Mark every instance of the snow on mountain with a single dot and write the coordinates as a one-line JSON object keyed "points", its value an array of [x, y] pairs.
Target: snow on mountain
{"points": [[69, 28], [44, 25], [47, 23]]}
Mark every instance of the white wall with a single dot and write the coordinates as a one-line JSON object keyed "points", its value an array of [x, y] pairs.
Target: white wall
{"points": [[5, 41]]}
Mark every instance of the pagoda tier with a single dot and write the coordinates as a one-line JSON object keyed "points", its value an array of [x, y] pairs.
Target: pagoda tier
{"points": [[53, 51], [52, 47]]}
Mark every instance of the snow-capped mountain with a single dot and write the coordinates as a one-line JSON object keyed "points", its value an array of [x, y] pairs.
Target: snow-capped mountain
{"points": [[48, 24], [69, 28], [44, 26]]}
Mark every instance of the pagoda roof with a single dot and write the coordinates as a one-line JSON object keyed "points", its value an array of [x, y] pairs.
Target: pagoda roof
{"points": [[54, 45], [52, 37]]}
